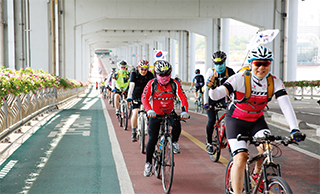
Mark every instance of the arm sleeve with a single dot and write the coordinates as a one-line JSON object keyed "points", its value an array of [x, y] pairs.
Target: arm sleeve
{"points": [[130, 91], [218, 93], [182, 95], [206, 94], [146, 95], [288, 112]]}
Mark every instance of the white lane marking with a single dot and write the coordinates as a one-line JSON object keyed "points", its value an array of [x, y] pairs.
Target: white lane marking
{"points": [[89, 104], [52, 145], [7, 168], [53, 133], [122, 171]]}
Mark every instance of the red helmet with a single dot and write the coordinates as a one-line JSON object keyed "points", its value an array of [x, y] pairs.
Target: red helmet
{"points": [[143, 64]]}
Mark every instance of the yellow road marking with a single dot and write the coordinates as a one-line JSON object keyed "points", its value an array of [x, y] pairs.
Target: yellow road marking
{"points": [[222, 159]]}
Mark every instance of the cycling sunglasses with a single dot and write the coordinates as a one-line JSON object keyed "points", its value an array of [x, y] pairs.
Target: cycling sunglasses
{"points": [[123, 67], [263, 63], [219, 63], [164, 74], [144, 69]]}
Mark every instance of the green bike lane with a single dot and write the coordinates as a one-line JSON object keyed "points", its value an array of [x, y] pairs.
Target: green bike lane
{"points": [[70, 153]]}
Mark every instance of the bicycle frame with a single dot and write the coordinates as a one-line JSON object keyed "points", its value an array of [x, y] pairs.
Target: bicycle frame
{"points": [[267, 163]]}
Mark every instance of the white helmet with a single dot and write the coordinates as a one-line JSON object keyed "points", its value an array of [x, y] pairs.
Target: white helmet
{"points": [[260, 53]]}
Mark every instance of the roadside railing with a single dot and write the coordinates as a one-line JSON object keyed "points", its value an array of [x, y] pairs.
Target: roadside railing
{"points": [[304, 92], [16, 111]]}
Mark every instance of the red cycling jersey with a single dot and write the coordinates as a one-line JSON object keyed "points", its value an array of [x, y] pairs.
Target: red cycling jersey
{"points": [[162, 100]]}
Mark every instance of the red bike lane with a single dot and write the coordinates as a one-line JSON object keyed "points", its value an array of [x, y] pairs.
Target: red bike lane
{"points": [[194, 172]]}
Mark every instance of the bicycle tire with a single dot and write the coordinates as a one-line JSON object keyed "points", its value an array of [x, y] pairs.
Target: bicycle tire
{"points": [[125, 116], [215, 145], [227, 178], [167, 164], [142, 134], [277, 184]]}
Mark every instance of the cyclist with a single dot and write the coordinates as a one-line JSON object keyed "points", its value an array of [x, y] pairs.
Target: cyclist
{"points": [[198, 82], [108, 84], [162, 91], [138, 80], [221, 72], [244, 115], [120, 83]]}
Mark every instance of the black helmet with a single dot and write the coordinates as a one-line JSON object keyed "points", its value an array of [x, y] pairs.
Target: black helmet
{"points": [[197, 71], [162, 68], [219, 57]]}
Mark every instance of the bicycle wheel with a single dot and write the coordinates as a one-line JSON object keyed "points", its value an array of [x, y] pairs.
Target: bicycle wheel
{"points": [[142, 134], [167, 164], [216, 146], [125, 116], [227, 178], [277, 184]]}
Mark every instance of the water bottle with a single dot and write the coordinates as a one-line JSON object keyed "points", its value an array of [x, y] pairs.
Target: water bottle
{"points": [[161, 142]]}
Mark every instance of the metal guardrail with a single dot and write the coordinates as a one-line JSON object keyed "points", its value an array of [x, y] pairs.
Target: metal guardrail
{"points": [[17, 111], [304, 92]]}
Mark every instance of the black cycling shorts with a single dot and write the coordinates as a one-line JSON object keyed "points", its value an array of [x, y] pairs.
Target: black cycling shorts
{"points": [[199, 88], [236, 126]]}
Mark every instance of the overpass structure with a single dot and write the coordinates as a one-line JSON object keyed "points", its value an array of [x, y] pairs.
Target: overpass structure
{"points": [[61, 36]]}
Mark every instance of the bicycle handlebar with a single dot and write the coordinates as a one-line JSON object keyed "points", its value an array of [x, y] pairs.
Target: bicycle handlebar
{"points": [[285, 140]]}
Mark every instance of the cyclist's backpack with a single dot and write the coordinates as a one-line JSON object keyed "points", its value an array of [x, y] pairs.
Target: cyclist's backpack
{"points": [[201, 80], [247, 83], [155, 85]]}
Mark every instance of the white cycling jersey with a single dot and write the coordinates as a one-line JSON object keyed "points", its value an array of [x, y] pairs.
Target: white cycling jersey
{"points": [[251, 110]]}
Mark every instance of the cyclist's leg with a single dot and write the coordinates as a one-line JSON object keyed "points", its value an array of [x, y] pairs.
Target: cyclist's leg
{"points": [[196, 92], [201, 92], [116, 100], [176, 130], [211, 121], [134, 120], [238, 170], [153, 130]]}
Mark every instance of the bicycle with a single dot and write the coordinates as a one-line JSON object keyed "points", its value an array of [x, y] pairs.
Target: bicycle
{"points": [[273, 184], [219, 138], [198, 103], [142, 123], [123, 108], [163, 153]]}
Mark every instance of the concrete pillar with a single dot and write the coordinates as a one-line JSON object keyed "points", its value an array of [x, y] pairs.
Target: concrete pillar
{"points": [[292, 41], [173, 43], [183, 55], [11, 36], [1, 35], [19, 35], [225, 26], [192, 55], [209, 44]]}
